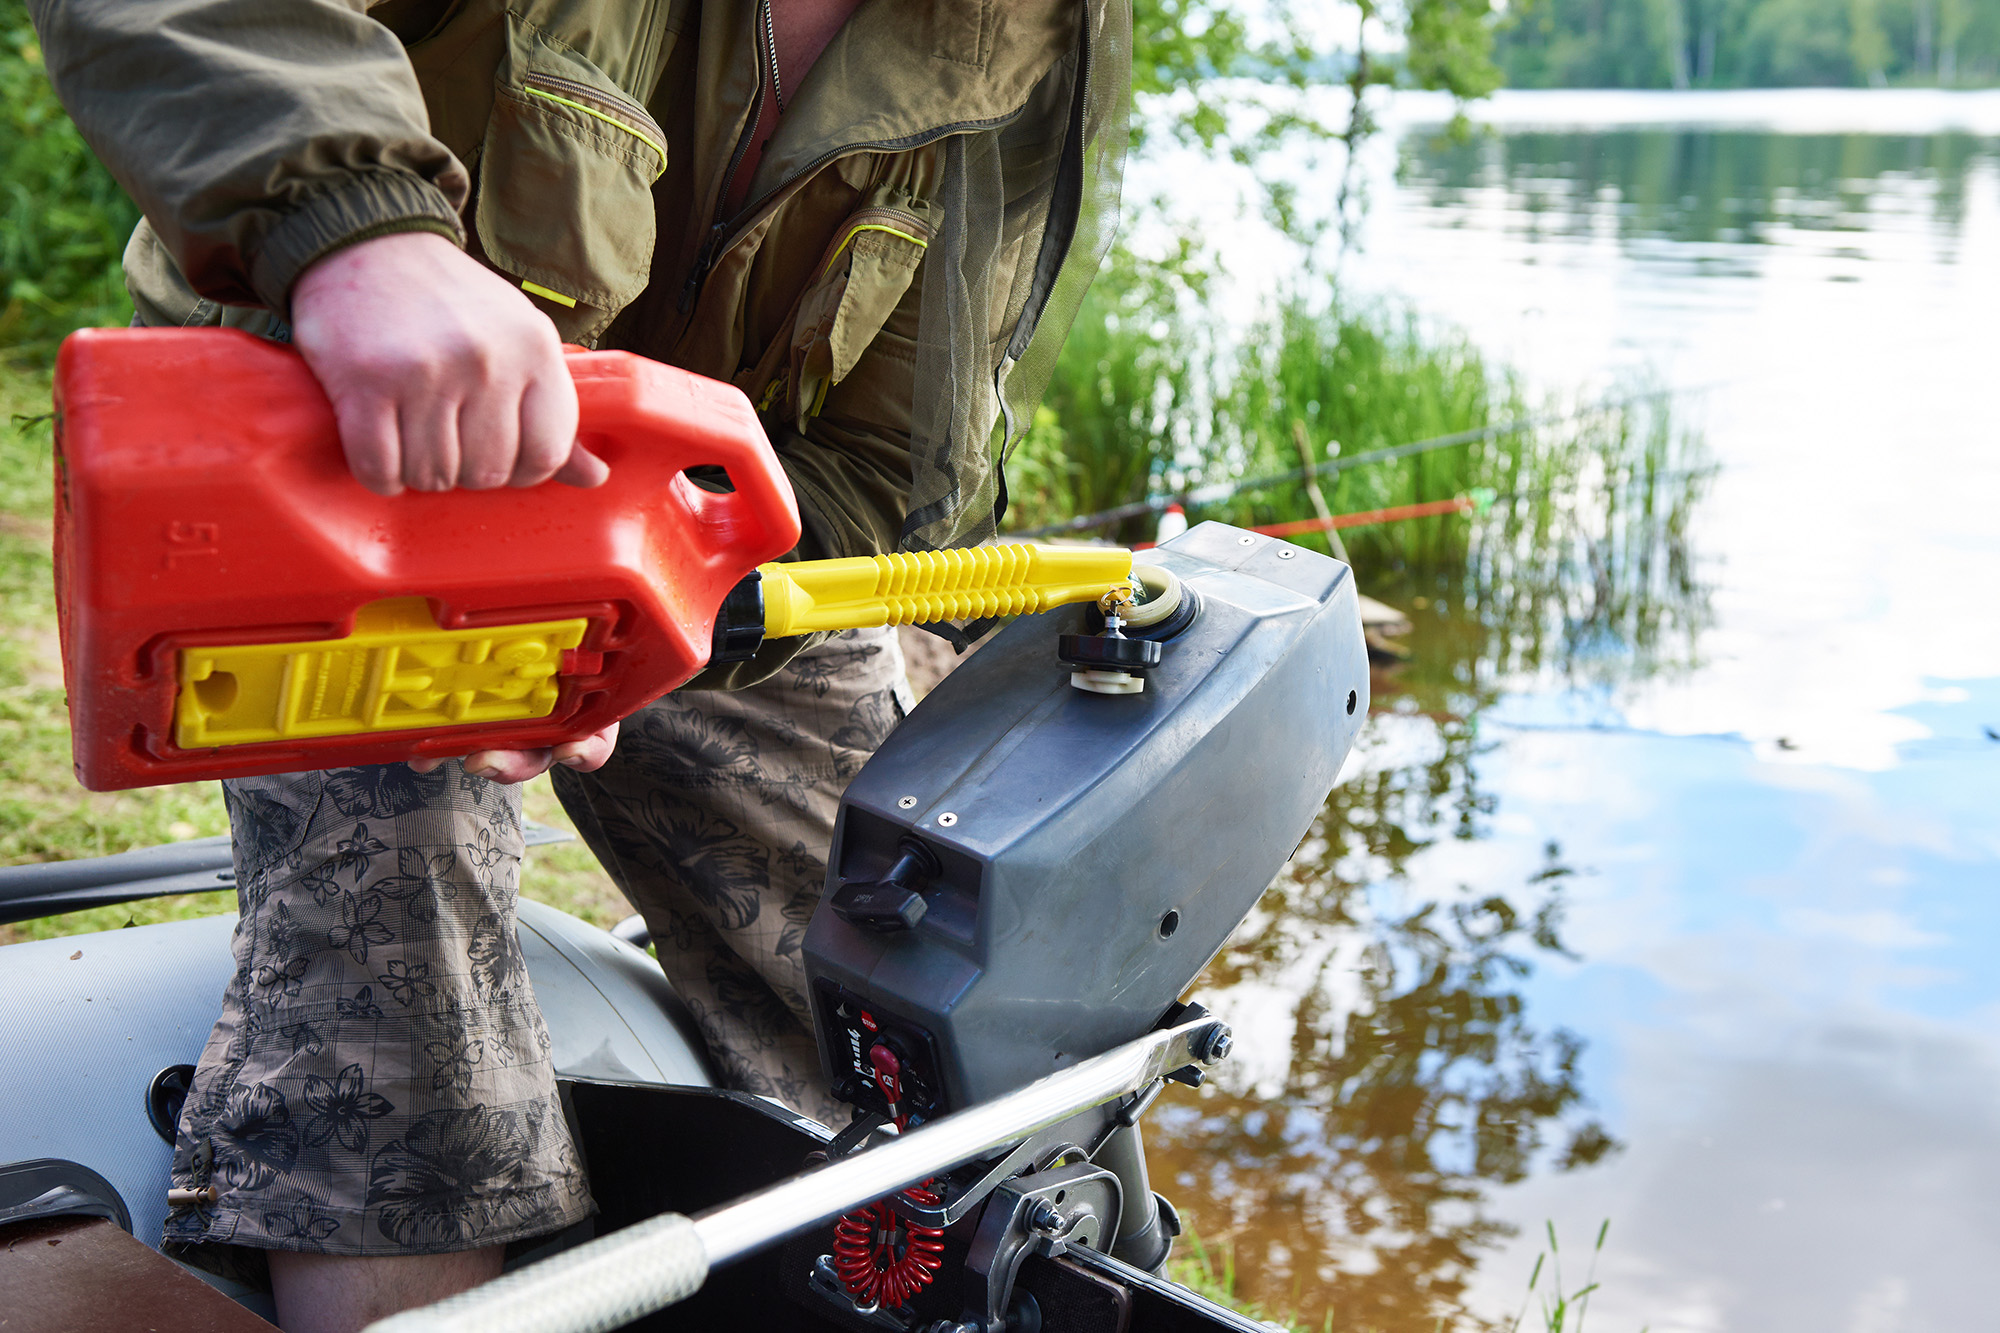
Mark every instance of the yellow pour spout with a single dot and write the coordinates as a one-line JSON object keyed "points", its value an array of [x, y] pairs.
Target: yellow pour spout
{"points": [[924, 587]]}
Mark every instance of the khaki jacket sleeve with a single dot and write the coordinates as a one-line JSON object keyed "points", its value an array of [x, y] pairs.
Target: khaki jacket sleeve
{"points": [[256, 135]]}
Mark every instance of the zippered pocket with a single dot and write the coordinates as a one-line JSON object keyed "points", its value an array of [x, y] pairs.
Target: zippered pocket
{"points": [[619, 113], [866, 270], [565, 202]]}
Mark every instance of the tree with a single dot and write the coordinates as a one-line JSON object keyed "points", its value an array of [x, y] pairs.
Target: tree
{"points": [[1188, 46], [1748, 43]]}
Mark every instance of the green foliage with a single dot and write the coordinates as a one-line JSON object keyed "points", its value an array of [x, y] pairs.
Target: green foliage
{"points": [[1450, 47], [1212, 1274], [1749, 43], [44, 815], [1348, 380], [1184, 45], [63, 220], [1180, 44]]}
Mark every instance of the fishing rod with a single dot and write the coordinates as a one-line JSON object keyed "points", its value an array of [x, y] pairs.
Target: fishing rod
{"points": [[1478, 500], [1217, 492]]}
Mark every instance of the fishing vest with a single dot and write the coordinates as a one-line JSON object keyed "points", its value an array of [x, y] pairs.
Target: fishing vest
{"points": [[960, 128]]}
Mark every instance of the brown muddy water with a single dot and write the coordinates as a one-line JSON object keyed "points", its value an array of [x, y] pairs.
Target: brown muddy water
{"points": [[1665, 892]]}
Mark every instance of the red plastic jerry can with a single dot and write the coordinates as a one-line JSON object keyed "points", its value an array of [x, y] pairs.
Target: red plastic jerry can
{"points": [[233, 602]]}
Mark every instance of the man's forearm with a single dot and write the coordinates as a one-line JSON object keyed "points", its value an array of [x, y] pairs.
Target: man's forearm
{"points": [[256, 135]]}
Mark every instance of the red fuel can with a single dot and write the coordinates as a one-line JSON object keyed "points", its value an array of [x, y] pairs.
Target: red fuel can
{"points": [[233, 602]]}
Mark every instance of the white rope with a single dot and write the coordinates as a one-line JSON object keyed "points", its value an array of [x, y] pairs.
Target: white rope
{"points": [[602, 1285]]}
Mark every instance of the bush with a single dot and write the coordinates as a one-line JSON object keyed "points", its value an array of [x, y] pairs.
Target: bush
{"points": [[63, 220]]}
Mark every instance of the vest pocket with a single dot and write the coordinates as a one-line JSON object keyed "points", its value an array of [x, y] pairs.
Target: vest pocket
{"points": [[565, 202], [869, 265]]}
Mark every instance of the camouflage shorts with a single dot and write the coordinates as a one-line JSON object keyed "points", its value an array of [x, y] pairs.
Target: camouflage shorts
{"points": [[379, 1081], [714, 817]]}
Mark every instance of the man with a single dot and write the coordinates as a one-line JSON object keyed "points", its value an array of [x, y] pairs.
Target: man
{"points": [[855, 210]]}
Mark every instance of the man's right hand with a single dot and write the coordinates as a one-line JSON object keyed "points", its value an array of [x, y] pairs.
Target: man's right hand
{"points": [[441, 374]]}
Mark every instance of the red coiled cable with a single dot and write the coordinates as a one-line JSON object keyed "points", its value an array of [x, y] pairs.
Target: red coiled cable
{"points": [[885, 1259], [882, 1258]]}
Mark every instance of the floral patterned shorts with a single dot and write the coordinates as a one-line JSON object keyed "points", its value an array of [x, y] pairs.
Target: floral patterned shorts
{"points": [[714, 817], [379, 1080]]}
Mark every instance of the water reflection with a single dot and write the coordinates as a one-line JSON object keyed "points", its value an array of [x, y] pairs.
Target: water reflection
{"points": [[1352, 1181], [1695, 186], [1390, 1073], [1785, 902]]}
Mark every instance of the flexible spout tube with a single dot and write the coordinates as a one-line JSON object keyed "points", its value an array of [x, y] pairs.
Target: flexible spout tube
{"points": [[925, 587]]}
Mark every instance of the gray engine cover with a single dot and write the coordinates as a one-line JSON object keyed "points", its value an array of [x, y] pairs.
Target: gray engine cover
{"points": [[1070, 824]]}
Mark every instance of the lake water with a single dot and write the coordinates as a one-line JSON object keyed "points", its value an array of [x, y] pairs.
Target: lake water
{"points": [[1698, 940]]}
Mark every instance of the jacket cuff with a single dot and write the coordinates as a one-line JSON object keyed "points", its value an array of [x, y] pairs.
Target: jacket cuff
{"points": [[367, 206]]}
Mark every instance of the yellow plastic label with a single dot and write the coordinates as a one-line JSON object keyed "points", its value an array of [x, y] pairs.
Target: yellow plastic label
{"points": [[396, 672]]}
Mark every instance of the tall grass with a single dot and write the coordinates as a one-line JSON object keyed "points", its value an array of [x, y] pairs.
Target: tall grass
{"points": [[1561, 1311], [1121, 412], [1149, 399], [1575, 561], [1326, 380]]}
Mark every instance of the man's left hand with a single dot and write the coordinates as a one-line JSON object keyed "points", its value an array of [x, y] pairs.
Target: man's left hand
{"points": [[509, 766]]}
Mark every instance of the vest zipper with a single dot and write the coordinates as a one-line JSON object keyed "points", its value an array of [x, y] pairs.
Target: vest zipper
{"points": [[767, 59]]}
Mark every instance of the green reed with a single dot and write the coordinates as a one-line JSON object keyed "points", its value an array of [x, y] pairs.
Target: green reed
{"points": [[1577, 552], [1561, 1311]]}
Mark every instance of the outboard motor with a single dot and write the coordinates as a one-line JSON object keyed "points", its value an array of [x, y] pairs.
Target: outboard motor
{"points": [[1033, 869]]}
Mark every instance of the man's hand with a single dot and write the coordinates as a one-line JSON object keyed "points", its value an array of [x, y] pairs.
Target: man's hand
{"points": [[443, 375], [440, 373], [519, 765]]}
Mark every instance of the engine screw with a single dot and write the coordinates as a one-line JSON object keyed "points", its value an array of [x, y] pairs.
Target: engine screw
{"points": [[906, 803], [1044, 1217], [947, 819]]}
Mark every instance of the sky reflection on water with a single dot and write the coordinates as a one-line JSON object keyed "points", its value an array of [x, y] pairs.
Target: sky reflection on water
{"points": [[1778, 862]]}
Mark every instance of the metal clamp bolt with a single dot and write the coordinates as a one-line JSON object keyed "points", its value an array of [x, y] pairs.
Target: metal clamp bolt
{"points": [[1216, 1045]]}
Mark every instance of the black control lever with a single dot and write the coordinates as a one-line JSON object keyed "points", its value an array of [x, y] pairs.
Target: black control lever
{"points": [[892, 903]]}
